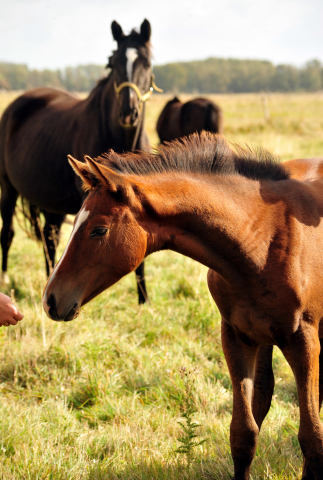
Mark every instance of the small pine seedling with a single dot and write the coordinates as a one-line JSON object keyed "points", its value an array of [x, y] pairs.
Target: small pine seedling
{"points": [[188, 442]]}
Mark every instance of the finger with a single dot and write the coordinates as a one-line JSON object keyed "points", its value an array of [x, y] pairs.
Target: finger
{"points": [[19, 316], [13, 309], [4, 297], [5, 322]]}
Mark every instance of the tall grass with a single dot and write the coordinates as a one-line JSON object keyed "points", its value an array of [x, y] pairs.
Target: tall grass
{"points": [[101, 397]]}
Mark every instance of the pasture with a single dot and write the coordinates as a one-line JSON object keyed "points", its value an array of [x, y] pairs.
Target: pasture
{"points": [[100, 397]]}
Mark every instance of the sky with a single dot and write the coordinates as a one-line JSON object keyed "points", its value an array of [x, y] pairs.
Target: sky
{"points": [[59, 33]]}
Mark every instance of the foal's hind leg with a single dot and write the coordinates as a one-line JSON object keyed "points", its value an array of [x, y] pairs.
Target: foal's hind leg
{"points": [[263, 384], [307, 473], [302, 353], [51, 237], [141, 283], [9, 197]]}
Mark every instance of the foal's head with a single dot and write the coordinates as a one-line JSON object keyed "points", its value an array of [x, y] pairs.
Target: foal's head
{"points": [[131, 68], [106, 243]]}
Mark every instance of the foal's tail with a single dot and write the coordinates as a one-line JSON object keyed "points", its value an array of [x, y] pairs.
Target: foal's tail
{"points": [[213, 119], [32, 216]]}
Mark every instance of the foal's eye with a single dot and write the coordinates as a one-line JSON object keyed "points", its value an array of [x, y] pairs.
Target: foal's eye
{"points": [[99, 232]]}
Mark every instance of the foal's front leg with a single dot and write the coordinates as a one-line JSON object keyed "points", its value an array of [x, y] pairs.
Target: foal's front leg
{"points": [[241, 360]]}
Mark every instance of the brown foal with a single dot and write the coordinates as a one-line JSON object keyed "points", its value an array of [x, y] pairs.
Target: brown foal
{"points": [[255, 223]]}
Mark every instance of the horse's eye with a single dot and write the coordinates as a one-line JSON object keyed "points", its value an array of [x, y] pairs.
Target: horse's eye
{"points": [[99, 232]]}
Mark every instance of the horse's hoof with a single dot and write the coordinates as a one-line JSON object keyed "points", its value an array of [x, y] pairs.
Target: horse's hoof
{"points": [[4, 279]]}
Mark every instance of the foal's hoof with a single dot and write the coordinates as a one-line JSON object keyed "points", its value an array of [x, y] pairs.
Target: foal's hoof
{"points": [[4, 279]]}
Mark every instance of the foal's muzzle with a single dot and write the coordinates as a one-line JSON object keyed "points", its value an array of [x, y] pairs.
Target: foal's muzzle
{"points": [[52, 311]]}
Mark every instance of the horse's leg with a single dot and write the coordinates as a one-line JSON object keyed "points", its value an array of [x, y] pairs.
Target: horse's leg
{"points": [[263, 384], [141, 284], [141, 142], [51, 237], [302, 353], [241, 359], [307, 473], [9, 197]]}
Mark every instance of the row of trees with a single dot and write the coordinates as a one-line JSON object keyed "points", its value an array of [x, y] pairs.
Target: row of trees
{"points": [[78, 79], [214, 75], [217, 75]]}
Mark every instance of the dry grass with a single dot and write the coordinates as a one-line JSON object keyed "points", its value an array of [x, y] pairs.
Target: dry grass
{"points": [[100, 397]]}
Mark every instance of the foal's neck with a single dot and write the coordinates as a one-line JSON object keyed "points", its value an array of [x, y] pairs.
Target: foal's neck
{"points": [[222, 222]]}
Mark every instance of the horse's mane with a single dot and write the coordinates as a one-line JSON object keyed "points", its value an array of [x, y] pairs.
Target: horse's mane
{"points": [[205, 153]]}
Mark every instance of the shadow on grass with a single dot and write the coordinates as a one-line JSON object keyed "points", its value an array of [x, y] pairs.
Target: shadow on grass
{"points": [[202, 469]]}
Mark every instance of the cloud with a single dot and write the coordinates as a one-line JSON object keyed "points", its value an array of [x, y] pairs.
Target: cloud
{"points": [[57, 33]]}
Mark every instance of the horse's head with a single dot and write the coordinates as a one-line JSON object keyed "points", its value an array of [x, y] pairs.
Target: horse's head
{"points": [[106, 243], [132, 73]]}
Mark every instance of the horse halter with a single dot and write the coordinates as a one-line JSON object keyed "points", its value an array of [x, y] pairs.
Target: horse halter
{"points": [[141, 97]]}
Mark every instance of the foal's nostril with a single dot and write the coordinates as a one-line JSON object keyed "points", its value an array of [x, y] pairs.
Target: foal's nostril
{"points": [[51, 303]]}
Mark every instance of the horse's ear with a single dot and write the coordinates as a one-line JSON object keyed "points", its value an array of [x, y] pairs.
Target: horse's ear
{"points": [[117, 31], [83, 171], [145, 30]]}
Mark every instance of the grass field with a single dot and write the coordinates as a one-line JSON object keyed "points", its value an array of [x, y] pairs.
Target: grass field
{"points": [[100, 397]]}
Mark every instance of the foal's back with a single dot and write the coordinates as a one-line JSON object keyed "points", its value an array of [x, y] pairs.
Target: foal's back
{"points": [[305, 169]]}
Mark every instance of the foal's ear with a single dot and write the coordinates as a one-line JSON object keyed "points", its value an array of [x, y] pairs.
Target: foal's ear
{"points": [[104, 175], [82, 170], [145, 30], [117, 31], [120, 187]]}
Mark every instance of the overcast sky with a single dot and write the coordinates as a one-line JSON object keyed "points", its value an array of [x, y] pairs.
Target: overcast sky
{"points": [[58, 33]]}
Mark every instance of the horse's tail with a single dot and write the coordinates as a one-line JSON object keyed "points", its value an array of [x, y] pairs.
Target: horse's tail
{"points": [[32, 217], [213, 118]]}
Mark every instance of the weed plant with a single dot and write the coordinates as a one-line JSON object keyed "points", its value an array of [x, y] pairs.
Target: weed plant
{"points": [[188, 439]]}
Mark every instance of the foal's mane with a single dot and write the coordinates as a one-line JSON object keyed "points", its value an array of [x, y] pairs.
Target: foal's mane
{"points": [[205, 153]]}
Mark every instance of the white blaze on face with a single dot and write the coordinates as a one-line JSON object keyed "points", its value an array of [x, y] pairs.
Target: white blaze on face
{"points": [[82, 216], [131, 55]]}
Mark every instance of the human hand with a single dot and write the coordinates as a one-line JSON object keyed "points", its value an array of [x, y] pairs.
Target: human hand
{"points": [[9, 313]]}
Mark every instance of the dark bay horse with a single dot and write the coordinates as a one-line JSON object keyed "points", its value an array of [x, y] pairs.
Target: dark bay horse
{"points": [[260, 232], [42, 126], [178, 119]]}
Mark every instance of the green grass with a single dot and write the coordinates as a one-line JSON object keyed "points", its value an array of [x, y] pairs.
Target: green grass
{"points": [[100, 397]]}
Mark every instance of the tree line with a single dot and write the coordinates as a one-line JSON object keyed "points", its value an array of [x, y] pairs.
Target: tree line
{"points": [[213, 75], [78, 79]]}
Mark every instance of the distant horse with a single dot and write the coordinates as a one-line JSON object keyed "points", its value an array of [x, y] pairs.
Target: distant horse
{"points": [[259, 231], [178, 119], [41, 127]]}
